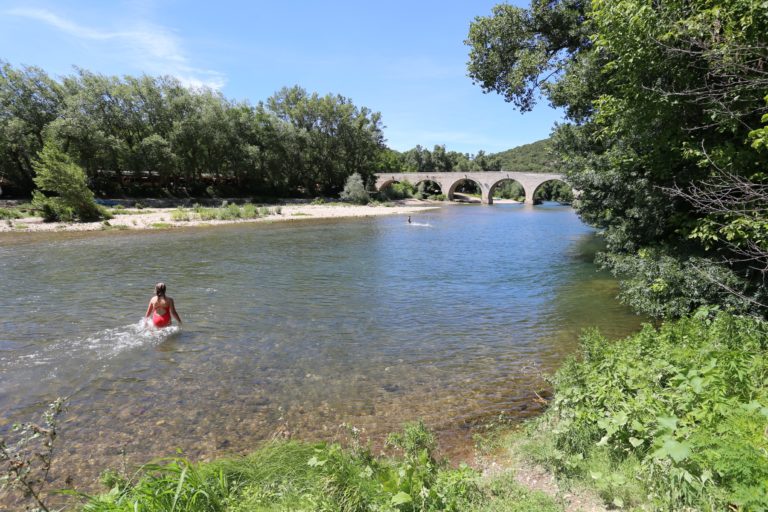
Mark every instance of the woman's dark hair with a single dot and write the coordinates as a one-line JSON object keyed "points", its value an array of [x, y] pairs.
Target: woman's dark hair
{"points": [[160, 289]]}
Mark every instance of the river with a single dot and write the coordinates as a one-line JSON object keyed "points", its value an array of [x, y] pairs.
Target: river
{"points": [[291, 329]]}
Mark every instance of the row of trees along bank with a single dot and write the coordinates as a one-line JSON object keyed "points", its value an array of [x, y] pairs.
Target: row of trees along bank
{"points": [[151, 136], [142, 135]]}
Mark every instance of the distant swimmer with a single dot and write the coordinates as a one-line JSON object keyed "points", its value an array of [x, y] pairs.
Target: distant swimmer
{"points": [[161, 308], [409, 219]]}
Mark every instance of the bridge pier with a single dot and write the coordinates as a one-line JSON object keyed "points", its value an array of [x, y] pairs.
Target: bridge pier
{"points": [[529, 196], [485, 194]]}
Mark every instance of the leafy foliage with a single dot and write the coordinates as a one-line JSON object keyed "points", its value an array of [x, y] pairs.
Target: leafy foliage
{"points": [[661, 286], [26, 456], [421, 159], [354, 190], [537, 156], [681, 410], [57, 173], [152, 136], [318, 477], [658, 96]]}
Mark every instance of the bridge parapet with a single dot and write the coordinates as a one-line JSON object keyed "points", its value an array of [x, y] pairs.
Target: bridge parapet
{"points": [[488, 181]]}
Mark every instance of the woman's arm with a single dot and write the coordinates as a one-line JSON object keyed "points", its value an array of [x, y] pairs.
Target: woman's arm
{"points": [[173, 311], [150, 307]]}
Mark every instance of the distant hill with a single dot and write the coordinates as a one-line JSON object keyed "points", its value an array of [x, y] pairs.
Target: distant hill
{"points": [[534, 157]]}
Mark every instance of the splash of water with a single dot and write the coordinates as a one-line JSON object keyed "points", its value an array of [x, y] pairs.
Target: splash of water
{"points": [[420, 224], [99, 346], [110, 342]]}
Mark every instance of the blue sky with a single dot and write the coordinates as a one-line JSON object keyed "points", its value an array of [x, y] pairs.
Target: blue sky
{"points": [[406, 60]]}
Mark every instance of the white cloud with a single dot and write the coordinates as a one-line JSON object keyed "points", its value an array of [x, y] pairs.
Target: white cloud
{"points": [[155, 49]]}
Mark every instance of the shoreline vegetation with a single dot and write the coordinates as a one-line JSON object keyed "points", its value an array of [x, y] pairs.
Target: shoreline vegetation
{"points": [[164, 218], [18, 219]]}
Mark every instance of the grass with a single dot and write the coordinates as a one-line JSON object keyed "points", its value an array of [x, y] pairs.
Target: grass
{"points": [[127, 212], [161, 225], [298, 476], [180, 215], [10, 213], [231, 212]]}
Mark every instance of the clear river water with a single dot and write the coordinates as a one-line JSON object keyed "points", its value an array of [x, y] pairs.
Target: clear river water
{"points": [[293, 328]]}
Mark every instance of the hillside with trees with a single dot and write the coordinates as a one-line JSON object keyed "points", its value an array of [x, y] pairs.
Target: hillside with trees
{"points": [[534, 157]]}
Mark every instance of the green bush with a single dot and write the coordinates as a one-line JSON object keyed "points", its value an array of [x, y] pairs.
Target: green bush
{"points": [[401, 190], [250, 211], [354, 190], [675, 417], [180, 215], [8, 213], [663, 286], [56, 173]]}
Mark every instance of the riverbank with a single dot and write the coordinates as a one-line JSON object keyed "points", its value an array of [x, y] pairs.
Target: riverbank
{"points": [[165, 218], [683, 430]]}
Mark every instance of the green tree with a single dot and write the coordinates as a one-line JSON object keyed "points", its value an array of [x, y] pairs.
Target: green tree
{"points": [[659, 95], [354, 190], [56, 173], [29, 101]]}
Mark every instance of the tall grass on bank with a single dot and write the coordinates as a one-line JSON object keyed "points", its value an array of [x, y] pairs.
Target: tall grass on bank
{"points": [[318, 477], [231, 212], [9, 214], [668, 419]]}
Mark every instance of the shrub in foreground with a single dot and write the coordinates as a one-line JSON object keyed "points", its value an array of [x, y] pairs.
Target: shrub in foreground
{"points": [[670, 418]]}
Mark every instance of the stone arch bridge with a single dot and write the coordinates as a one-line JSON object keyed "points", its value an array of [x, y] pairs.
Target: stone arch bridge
{"points": [[488, 181]]}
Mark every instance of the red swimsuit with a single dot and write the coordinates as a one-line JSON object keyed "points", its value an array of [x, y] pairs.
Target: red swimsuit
{"points": [[162, 320]]}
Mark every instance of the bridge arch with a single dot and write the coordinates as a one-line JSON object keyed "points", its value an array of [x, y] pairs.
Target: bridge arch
{"points": [[510, 184], [462, 180], [428, 187], [554, 189]]}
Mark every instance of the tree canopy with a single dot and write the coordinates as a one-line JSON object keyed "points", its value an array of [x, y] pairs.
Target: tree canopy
{"points": [[660, 97], [150, 135]]}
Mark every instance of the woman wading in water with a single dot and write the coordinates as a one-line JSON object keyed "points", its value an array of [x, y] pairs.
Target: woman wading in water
{"points": [[161, 308]]}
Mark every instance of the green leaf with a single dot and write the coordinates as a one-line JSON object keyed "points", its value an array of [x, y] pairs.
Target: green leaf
{"points": [[401, 498], [667, 422], [673, 449], [635, 442], [696, 385], [314, 462]]}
